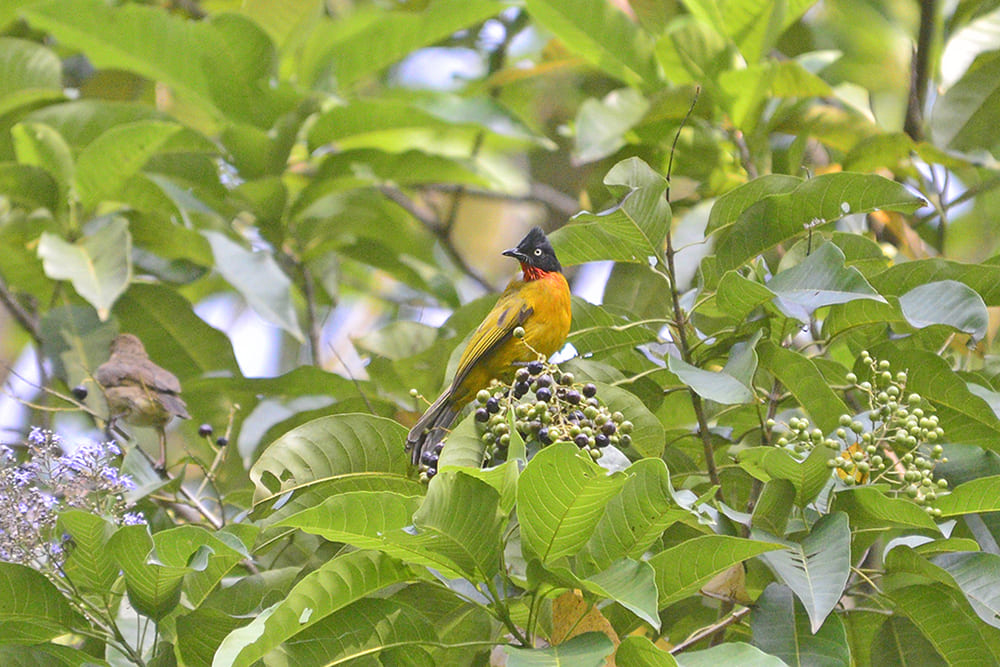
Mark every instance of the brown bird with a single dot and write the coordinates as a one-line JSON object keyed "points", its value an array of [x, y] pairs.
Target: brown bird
{"points": [[138, 391]]}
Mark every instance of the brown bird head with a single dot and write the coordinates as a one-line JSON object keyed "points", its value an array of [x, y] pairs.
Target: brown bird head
{"points": [[535, 254], [129, 345]]}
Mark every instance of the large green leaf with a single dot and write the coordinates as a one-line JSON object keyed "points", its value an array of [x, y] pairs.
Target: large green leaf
{"points": [[376, 39], [821, 279], [347, 448], [633, 231], [628, 582], [730, 653], [47, 655], [636, 516], [965, 417], [324, 591], [899, 279], [104, 166], [29, 186], [817, 567], [729, 207], [586, 650], [29, 73], [976, 495], [359, 631], [602, 34], [808, 476], [155, 566], [42, 146], [869, 508], [807, 384], [754, 25], [899, 642], [978, 576], [601, 125], [681, 570], [32, 610], [817, 201], [257, 276], [947, 302], [964, 117], [946, 621], [89, 565], [781, 628], [99, 265], [561, 496], [639, 651], [717, 386]]}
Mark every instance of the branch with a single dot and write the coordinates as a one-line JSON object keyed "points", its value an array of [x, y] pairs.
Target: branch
{"points": [[920, 71], [710, 630], [27, 320]]}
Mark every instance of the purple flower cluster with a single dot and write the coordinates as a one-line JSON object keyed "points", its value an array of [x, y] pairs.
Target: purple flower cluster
{"points": [[42, 481]]}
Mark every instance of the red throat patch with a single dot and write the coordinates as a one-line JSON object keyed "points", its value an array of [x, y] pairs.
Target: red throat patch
{"points": [[531, 272]]}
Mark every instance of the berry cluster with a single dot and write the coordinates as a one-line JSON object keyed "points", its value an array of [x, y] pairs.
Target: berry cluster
{"points": [[548, 406], [899, 445]]}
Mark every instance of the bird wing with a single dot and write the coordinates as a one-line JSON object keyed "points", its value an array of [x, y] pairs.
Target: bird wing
{"points": [[143, 373], [510, 312]]}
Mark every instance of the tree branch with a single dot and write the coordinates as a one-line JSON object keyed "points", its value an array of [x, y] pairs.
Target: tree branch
{"points": [[920, 71]]}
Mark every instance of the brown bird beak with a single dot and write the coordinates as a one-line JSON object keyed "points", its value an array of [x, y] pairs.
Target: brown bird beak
{"points": [[516, 254]]}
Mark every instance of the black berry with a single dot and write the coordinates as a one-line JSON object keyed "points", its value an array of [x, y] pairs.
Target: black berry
{"points": [[543, 436], [608, 428], [581, 440], [601, 440], [535, 367], [482, 415], [493, 405], [222, 441], [205, 430], [543, 394], [590, 390], [79, 392], [573, 397]]}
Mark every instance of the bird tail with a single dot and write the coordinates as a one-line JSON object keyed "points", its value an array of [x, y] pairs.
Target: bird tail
{"points": [[432, 427]]}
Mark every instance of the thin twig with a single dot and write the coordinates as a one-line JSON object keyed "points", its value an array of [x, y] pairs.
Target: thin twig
{"points": [[920, 71], [312, 323], [27, 320], [710, 630]]}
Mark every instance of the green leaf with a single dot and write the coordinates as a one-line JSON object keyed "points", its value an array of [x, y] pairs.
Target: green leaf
{"points": [[27, 186], [683, 569], [943, 618], [773, 507], [47, 655], [347, 448], [729, 207], [585, 650], [753, 25], [29, 74], [601, 125], [380, 38], [155, 566], [89, 565], [817, 567], [901, 278], [947, 302], [807, 384], [716, 386], [730, 653], [964, 118], [781, 628], [638, 651], [808, 476], [869, 508], [976, 495], [602, 34], [40, 145], [817, 201], [976, 574], [899, 642], [821, 279], [561, 496], [324, 591], [648, 437], [99, 265], [32, 610], [111, 159], [628, 582], [636, 516], [965, 417], [633, 231], [361, 630], [257, 276]]}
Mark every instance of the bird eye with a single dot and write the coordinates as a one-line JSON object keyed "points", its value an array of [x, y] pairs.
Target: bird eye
{"points": [[538, 252]]}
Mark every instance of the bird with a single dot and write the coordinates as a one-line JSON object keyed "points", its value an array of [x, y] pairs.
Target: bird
{"points": [[539, 303], [138, 391]]}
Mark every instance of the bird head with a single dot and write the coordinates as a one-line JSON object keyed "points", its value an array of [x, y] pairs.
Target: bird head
{"points": [[127, 343], [535, 254]]}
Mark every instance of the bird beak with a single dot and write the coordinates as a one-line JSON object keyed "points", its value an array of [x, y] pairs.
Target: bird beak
{"points": [[516, 254]]}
